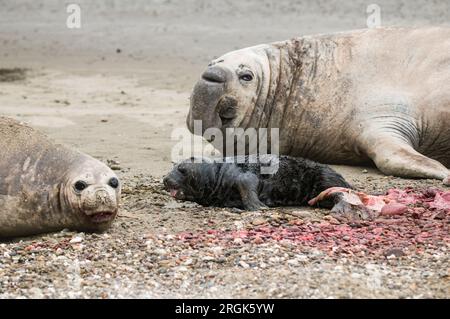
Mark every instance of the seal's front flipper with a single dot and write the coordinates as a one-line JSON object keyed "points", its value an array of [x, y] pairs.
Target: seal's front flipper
{"points": [[394, 156], [248, 185]]}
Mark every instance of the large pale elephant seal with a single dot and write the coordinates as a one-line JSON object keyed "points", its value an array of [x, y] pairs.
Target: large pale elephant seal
{"points": [[46, 187], [380, 95]]}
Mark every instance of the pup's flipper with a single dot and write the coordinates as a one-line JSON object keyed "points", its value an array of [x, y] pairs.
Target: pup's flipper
{"points": [[247, 185]]}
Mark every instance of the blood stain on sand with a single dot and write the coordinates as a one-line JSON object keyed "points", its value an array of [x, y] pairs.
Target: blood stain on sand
{"points": [[424, 224]]}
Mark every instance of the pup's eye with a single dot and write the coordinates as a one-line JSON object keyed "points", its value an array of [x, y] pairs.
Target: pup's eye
{"points": [[246, 77], [80, 186], [114, 182], [182, 170]]}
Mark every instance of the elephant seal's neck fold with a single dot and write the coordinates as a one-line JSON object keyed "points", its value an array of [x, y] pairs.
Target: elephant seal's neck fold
{"points": [[295, 66], [59, 205]]}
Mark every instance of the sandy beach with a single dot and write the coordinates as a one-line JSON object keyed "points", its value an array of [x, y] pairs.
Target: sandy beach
{"points": [[117, 88]]}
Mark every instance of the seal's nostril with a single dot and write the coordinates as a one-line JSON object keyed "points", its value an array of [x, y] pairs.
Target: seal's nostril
{"points": [[102, 197], [215, 75]]}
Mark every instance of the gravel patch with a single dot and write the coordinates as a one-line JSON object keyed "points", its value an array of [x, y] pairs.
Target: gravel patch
{"points": [[161, 248]]}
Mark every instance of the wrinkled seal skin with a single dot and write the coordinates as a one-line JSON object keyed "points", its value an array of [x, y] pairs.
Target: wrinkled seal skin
{"points": [[379, 95], [39, 181], [241, 185]]}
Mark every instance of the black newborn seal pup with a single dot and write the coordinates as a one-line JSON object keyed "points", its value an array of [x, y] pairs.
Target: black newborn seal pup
{"points": [[229, 183]]}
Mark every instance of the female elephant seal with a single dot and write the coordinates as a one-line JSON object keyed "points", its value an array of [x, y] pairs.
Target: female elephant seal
{"points": [[46, 187], [380, 95]]}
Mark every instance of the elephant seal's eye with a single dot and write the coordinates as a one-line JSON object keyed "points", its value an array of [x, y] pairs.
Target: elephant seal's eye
{"points": [[114, 182], [80, 186], [246, 77], [182, 169]]}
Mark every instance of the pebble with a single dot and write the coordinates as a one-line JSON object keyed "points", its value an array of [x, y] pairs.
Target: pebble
{"points": [[217, 250], [164, 263], [160, 251], [188, 262], [258, 240], [293, 262], [238, 241], [259, 221], [302, 214], [395, 252], [208, 258], [76, 240]]}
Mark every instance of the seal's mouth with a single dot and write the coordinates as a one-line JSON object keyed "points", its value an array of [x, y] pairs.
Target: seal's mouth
{"points": [[173, 192], [102, 217], [173, 188], [228, 108], [176, 193]]}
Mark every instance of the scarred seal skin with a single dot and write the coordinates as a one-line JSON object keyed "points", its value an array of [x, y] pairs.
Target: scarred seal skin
{"points": [[46, 187], [377, 96], [231, 183]]}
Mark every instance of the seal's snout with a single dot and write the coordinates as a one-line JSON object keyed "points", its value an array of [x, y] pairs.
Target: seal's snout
{"points": [[171, 184], [215, 75], [205, 96], [103, 197], [100, 204], [166, 182]]}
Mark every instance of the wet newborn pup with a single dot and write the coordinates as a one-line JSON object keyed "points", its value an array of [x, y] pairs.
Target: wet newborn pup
{"points": [[242, 185]]}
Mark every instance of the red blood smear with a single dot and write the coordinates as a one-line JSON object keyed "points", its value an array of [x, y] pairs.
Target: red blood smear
{"points": [[404, 196], [393, 209], [415, 228], [395, 202], [441, 201]]}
